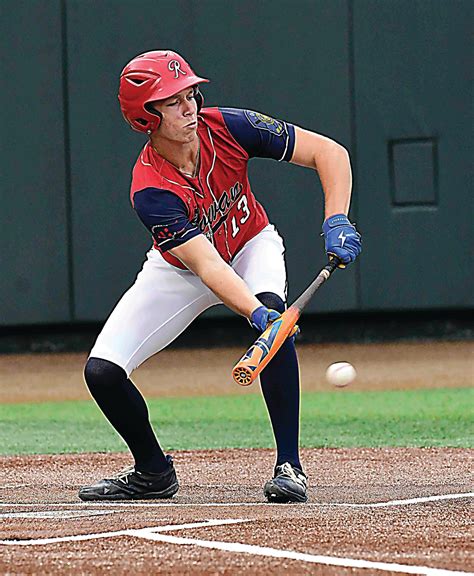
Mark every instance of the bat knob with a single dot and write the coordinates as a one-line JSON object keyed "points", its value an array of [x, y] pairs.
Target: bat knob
{"points": [[242, 376]]}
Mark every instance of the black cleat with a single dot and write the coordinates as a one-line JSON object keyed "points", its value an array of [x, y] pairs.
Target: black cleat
{"points": [[289, 484], [131, 484]]}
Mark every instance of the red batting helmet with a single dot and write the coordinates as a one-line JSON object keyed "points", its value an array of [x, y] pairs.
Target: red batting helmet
{"points": [[152, 76]]}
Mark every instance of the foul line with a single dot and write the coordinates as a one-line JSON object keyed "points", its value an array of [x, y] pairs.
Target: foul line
{"points": [[149, 504], [315, 559], [407, 501], [236, 547]]}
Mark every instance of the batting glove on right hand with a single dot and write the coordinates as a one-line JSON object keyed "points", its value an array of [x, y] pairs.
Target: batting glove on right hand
{"points": [[262, 316], [341, 239]]}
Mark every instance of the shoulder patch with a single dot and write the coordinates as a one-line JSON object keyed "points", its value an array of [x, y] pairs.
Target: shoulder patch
{"points": [[264, 122]]}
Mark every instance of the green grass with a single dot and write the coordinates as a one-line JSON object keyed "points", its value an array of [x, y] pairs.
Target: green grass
{"points": [[438, 417]]}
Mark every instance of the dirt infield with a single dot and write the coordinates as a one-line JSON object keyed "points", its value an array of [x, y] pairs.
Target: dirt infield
{"points": [[54, 377], [366, 506], [371, 511]]}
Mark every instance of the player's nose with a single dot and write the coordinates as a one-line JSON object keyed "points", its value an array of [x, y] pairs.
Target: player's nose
{"points": [[189, 108]]}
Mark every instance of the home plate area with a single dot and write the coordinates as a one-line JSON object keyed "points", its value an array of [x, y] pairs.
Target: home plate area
{"points": [[377, 511]]}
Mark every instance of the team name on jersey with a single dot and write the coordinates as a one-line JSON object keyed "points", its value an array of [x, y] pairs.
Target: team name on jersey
{"points": [[217, 212]]}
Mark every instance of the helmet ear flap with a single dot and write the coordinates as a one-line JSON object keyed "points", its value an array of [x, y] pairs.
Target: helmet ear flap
{"points": [[151, 110]]}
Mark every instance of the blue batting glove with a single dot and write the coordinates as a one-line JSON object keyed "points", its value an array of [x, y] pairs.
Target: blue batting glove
{"points": [[341, 239], [262, 316]]}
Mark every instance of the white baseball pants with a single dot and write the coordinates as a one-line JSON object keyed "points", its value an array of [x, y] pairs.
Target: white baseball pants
{"points": [[164, 300]]}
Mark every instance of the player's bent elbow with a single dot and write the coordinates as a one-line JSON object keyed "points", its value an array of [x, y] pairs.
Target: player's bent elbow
{"points": [[337, 149], [336, 153]]}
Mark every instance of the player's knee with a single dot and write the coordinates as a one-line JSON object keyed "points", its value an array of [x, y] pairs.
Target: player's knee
{"points": [[272, 300], [99, 373]]}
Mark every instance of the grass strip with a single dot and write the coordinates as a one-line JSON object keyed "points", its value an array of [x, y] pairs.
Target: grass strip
{"points": [[424, 418]]}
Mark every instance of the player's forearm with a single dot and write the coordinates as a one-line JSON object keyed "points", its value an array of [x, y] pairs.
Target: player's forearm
{"points": [[332, 163], [334, 169], [200, 256], [230, 288]]}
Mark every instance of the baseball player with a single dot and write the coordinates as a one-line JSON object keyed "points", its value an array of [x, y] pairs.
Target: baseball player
{"points": [[212, 244]]}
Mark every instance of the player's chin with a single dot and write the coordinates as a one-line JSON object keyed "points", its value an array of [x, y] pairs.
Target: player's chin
{"points": [[188, 135]]}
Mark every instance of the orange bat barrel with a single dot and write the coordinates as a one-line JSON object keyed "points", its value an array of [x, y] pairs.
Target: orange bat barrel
{"points": [[265, 347]]}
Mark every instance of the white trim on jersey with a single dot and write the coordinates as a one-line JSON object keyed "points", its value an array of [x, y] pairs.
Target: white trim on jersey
{"points": [[142, 161], [286, 145], [178, 184], [210, 189], [160, 244]]}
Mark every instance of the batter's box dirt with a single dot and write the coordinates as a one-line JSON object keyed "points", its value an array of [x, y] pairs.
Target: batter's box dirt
{"points": [[371, 511]]}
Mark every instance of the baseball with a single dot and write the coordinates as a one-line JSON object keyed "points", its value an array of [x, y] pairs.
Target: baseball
{"points": [[340, 374]]}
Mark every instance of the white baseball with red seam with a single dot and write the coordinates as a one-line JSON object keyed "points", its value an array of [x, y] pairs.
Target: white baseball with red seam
{"points": [[341, 374]]}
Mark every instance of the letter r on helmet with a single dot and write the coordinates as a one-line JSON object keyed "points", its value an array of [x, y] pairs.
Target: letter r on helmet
{"points": [[175, 66]]}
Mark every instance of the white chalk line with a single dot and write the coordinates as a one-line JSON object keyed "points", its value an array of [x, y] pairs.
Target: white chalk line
{"points": [[59, 514], [130, 532], [151, 504], [155, 534], [239, 548], [407, 501]]}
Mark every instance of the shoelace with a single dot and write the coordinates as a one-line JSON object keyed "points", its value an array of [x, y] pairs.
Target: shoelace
{"points": [[287, 470], [124, 473]]}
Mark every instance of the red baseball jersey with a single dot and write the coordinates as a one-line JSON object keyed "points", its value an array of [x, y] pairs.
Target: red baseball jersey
{"points": [[218, 201]]}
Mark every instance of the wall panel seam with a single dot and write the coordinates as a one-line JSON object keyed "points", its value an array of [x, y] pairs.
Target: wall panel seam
{"points": [[353, 136], [67, 161]]}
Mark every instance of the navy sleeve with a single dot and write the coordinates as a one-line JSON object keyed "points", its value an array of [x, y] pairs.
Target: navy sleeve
{"points": [[166, 217], [259, 135]]}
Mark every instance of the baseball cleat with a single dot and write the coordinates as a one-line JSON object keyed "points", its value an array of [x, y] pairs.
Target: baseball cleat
{"points": [[131, 484], [289, 484]]}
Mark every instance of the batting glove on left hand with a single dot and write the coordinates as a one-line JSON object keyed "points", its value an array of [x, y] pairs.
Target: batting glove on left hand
{"points": [[341, 239]]}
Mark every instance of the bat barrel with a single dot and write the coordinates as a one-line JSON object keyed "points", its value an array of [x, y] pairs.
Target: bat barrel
{"points": [[242, 375]]}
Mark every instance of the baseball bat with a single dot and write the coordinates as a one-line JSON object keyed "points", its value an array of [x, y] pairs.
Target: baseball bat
{"points": [[270, 341]]}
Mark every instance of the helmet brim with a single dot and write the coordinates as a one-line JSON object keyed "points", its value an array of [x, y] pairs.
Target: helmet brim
{"points": [[183, 85]]}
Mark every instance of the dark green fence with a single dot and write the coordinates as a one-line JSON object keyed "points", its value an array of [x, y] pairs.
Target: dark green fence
{"points": [[389, 79]]}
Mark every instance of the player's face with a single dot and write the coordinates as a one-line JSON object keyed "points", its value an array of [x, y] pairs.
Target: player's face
{"points": [[179, 117]]}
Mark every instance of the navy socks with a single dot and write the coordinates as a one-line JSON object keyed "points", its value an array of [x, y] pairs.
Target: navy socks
{"points": [[125, 408], [281, 390]]}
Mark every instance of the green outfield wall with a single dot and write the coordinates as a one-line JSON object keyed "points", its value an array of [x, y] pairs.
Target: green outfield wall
{"points": [[389, 79]]}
